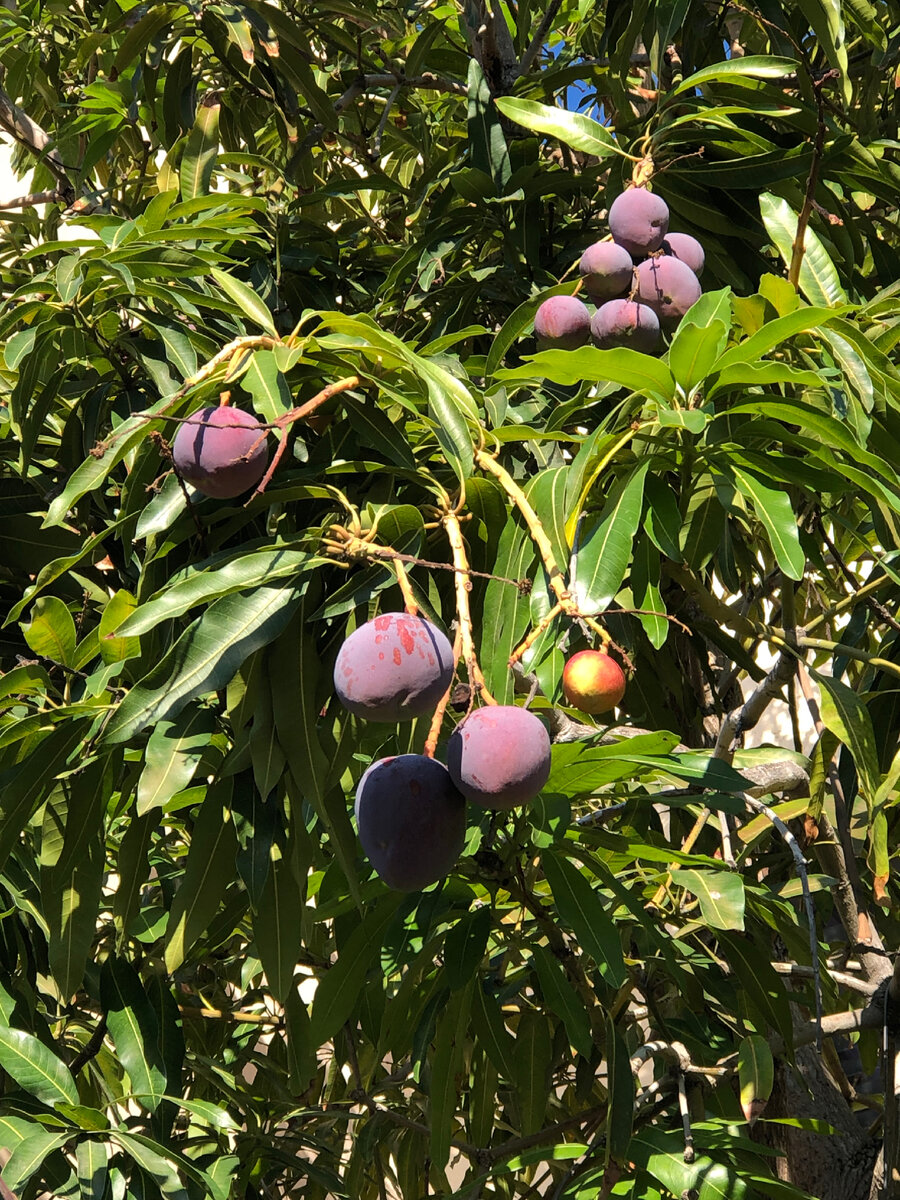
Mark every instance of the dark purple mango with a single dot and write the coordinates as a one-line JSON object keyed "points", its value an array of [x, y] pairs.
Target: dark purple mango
{"points": [[411, 820], [220, 451]]}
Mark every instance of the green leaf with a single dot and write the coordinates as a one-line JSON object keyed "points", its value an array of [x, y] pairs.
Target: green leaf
{"points": [[562, 999], [117, 649], [209, 870], [693, 350], [756, 1074], [775, 333], [662, 1155], [24, 1164], [534, 1056], [449, 1046], [170, 760], [620, 1086], [645, 590], [200, 150], [156, 1165], [492, 1034], [35, 1068], [267, 385], [579, 132], [775, 512], [341, 987], [205, 657], [582, 910], [487, 145], [465, 945], [846, 715], [546, 493], [606, 541], [753, 66], [721, 896], [51, 632], [819, 280], [246, 299], [132, 1023], [203, 584], [277, 925], [91, 1161], [638, 372]]}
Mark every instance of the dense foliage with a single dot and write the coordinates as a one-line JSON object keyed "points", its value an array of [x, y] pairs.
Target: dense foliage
{"points": [[343, 217]]}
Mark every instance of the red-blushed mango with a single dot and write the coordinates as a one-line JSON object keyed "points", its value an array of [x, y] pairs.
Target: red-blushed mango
{"points": [[625, 323], [499, 756], [394, 668], [669, 287], [639, 220], [606, 270], [562, 323], [411, 820], [593, 682], [220, 451], [686, 248]]}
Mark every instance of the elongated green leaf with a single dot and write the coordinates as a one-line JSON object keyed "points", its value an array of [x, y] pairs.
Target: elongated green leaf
{"points": [[25, 786], [819, 280], [201, 586], [339, 990], [662, 1154], [826, 19], [605, 549], [573, 129], [621, 1086], [546, 493], [36, 1068], [267, 385], [845, 714], [132, 1023], [71, 904], [449, 1045], [645, 590], [774, 333], [25, 1161], [534, 1053], [693, 351], [638, 372], [583, 911], [774, 510], [487, 1021], [721, 896], [277, 923], [156, 1165], [464, 946], [246, 299], [561, 998], [173, 752], [205, 657], [753, 66], [756, 1074], [210, 867], [91, 1159], [51, 632], [487, 145]]}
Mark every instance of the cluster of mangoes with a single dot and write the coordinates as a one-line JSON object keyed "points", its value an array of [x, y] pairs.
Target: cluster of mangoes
{"points": [[410, 808], [642, 280]]}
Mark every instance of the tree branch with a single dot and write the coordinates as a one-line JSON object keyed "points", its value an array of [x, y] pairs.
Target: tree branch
{"points": [[17, 123]]}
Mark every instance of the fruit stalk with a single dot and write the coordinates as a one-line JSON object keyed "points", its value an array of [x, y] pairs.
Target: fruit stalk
{"points": [[463, 612]]}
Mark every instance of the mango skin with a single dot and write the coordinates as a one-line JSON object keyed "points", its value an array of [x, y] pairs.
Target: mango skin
{"points": [[396, 667], [411, 820], [593, 682], [220, 451], [499, 756]]}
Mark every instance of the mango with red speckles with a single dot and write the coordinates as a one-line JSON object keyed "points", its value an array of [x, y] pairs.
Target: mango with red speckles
{"points": [[411, 820], [499, 756], [394, 668], [221, 451]]}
